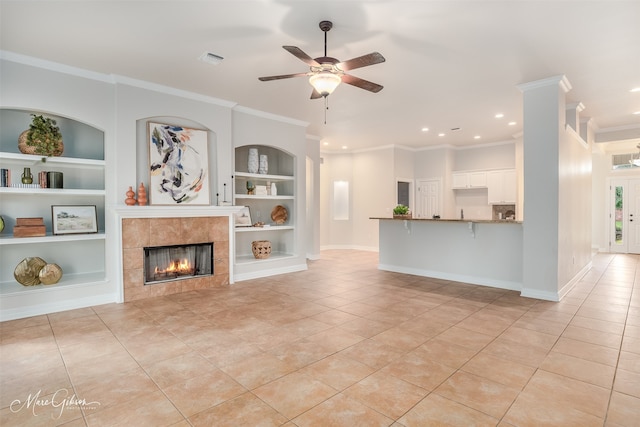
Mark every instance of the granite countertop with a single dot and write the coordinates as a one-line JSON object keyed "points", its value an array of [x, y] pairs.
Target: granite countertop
{"points": [[491, 221]]}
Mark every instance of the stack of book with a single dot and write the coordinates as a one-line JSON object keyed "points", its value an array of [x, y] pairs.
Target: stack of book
{"points": [[29, 227], [5, 177]]}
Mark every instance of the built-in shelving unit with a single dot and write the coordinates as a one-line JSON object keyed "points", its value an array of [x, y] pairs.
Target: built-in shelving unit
{"points": [[81, 256], [281, 236]]}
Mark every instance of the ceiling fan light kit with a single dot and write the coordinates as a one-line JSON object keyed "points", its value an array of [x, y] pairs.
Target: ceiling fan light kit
{"points": [[325, 82], [326, 73]]}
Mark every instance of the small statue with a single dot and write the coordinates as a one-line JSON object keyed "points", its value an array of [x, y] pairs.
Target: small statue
{"points": [[130, 200], [142, 195]]}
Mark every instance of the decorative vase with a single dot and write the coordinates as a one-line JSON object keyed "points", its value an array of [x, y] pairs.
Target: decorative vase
{"points": [[130, 200], [274, 189], [253, 160], [27, 177], [25, 148], [261, 249], [263, 167], [54, 179], [142, 195], [250, 188]]}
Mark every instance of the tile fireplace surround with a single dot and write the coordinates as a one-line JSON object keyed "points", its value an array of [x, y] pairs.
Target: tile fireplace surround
{"points": [[141, 227]]}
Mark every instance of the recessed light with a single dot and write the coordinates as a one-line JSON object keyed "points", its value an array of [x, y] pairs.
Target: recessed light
{"points": [[635, 89], [425, 129], [476, 137], [511, 123], [344, 147], [499, 116], [325, 143], [210, 58], [441, 134], [637, 113]]}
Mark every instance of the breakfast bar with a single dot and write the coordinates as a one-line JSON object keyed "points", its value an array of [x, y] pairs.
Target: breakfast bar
{"points": [[481, 252]]}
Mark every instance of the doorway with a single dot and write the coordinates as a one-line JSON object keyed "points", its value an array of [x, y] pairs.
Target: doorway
{"points": [[429, 198], [624, 216]]}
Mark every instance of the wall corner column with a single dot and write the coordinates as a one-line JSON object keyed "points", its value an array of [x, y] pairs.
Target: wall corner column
{"points": [[544, 120]]}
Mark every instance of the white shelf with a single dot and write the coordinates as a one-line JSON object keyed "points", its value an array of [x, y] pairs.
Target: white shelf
{"points": [[254, 197], [12, 288], [51, 191], [250, 259], [49, 238], [261, 229], [264, 177], [31, 159]]}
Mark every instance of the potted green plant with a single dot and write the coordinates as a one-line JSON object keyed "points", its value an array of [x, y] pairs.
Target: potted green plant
{"points": [[401, 211], [42, 138]]}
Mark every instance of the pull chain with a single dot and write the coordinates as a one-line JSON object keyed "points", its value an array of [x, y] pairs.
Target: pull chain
{"points": [[326, 107]]}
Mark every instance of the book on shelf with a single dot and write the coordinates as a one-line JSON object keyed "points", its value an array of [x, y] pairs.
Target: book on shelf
{"points": [[5, 177]]}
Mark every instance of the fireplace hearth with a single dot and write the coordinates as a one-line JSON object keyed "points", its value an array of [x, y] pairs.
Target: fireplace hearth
{"points": [[177, 262]]}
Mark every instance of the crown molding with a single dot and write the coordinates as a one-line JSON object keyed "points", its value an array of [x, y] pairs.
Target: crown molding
{"points": [[560, 80]]}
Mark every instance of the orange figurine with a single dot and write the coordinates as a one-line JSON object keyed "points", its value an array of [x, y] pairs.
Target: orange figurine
{"points": [[130, 201], [142, 195]]}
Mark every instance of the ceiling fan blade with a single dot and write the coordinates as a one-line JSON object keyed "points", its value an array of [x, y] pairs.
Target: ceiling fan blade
{"points": [[298, 53], [361, 61], [362, 83], [315, 94], [283, 76]]}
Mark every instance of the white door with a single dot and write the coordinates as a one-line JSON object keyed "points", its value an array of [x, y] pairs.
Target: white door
{"points": [[624, 214], [428, 198]]}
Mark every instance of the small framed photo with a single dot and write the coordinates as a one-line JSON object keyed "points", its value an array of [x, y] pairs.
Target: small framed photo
{"points": [[243, 218], [74, 219]]}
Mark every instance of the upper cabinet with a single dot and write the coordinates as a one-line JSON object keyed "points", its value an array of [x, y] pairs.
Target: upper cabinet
{"points": [[501, 185], [464, 180]]}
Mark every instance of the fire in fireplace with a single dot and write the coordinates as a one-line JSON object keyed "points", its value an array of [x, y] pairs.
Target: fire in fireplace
{"points": [[177, 262]]}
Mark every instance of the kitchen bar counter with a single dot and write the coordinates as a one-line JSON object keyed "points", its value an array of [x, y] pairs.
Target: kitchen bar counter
{"points": [[481, 252], [508, 221]]}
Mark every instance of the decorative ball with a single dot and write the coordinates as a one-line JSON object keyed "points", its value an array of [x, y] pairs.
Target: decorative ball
{"points": [[28, 270], [279, 214], [50, 274]]}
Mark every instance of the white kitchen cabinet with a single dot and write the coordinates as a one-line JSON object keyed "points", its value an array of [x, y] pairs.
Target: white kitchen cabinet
{"points": [[501, 187], [466, 180]]}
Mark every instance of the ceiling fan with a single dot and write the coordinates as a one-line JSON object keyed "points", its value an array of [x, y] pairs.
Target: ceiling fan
{"points": [[326, 73]]}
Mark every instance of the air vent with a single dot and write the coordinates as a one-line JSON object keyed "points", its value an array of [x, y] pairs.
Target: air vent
{"points": [[210, 58], [624, 161]]}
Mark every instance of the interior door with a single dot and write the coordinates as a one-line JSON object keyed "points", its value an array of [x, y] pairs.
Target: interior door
{"points": [[624, 216], [428, 198]]}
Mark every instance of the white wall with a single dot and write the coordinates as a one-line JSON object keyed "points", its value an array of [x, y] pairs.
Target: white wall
{"points": [[488, 156], [335, 233]]}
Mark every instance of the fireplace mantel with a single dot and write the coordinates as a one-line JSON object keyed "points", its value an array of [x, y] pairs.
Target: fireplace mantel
{"points": [[130, 247], [175, 211]]}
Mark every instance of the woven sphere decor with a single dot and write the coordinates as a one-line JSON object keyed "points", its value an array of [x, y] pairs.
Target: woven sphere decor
{"points": [[261, 249]]}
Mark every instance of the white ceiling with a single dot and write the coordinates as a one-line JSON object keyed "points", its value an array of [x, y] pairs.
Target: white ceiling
{"points": [[449, 64]]}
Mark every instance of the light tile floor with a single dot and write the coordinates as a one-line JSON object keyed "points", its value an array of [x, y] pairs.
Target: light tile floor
{"points": [[342, 344]]}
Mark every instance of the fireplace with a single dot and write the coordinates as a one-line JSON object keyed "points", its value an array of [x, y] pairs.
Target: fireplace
{"points": [[177, 262]]}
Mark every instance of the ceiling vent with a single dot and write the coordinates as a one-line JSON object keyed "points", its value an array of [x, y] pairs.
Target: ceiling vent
{"points": [[210, 58]]}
